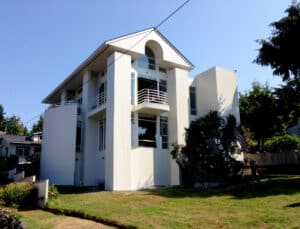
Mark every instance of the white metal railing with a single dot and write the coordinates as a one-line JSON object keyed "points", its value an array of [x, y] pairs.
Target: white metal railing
{"points": [[100, 99], [65, 102], [152, 96]]}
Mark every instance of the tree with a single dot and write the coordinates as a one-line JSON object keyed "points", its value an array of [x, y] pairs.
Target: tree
{"points": [[288, 102], [258, 111], [2, 118], [14, 126], [281, 50], [36, 127], [206, 155]]}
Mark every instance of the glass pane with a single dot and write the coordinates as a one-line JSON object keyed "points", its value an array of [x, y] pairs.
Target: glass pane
{"points": [[147, 131], [193, 101], [164, 132]]}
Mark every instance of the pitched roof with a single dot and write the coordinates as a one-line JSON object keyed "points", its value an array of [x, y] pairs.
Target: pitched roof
{"points": [[18, 139], [102, 48]]}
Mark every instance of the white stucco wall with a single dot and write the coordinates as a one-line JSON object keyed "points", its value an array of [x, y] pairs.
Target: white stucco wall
{"points": [[58, 146], [178, 92], [149, 167], [92, 160], [216, 89], [118, 131]]}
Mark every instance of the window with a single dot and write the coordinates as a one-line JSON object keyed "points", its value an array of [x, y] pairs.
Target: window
{"points": [[78, 136], [101, 135], [132, 87], [147, 61], [163, 70], [22, 151], [147, 130], [151, 58], [193, 101], [164, 132], [163, 85], [132, 130]]}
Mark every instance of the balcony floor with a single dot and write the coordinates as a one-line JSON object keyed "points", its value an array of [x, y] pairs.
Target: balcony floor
{"points": [[151, 108]]}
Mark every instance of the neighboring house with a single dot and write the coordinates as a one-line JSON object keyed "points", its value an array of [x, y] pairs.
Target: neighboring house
{"points": [[20, 146], [113, 119]]}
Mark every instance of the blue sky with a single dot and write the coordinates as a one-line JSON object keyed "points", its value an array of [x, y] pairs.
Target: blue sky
{"points": [[41, 42]]}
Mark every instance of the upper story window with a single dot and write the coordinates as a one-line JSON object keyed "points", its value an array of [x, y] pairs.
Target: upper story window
{"points": [[147, 61], [193, 101]]}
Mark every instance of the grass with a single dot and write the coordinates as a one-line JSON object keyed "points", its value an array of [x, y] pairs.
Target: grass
{"points": [[39, 219], [268, 203]]}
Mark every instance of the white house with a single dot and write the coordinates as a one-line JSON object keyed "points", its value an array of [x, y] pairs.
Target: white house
{"points": [[113, 119]]}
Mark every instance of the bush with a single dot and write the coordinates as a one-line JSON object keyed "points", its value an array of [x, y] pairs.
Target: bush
{"points": [[53, 192], [18, 194], [282, 143], [7, 220]]}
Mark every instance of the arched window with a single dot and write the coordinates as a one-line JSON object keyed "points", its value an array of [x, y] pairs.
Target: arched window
{"points": [[147, 61], [151, 58]]}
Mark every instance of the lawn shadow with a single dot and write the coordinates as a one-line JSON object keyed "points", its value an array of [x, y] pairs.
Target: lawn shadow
{"points": [[285, 185], [78, 190]]}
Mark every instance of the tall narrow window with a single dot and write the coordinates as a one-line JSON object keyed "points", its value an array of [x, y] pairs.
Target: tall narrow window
{"points": [[147, 130], [164, 132], [151, 58], [101, 135], [132, 88], [78, 136], [132, 130], [193, 101]]}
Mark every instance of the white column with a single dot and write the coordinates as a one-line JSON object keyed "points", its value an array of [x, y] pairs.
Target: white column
{"points": [[178, 115], [118, 131], [63, 97]]}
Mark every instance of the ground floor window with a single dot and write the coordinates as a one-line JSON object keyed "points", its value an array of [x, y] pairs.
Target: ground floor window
{"points": [[101, 135], [164, 132], [22, 151], [147, 130]]}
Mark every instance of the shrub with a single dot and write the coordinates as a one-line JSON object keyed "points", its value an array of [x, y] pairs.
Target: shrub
{"points": [[7, 220], [19, 194], [282, 143], [53, 192]]}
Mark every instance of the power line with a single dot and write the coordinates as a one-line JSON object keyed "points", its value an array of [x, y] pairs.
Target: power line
{"points": [[128, 50]]}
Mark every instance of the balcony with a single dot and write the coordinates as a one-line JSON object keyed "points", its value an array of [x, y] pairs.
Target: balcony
{"points": [[99, 105], [151, 101], [65, 103]]}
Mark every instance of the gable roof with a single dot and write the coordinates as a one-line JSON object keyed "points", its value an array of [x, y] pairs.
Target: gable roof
{"points": [[104, 47], [146, 33]]}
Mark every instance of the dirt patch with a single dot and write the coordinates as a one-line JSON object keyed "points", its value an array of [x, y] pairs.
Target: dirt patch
{"points": [[75, 223]]}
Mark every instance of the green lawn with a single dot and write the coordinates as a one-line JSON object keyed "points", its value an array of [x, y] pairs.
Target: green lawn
{"points": [[262, 204]]}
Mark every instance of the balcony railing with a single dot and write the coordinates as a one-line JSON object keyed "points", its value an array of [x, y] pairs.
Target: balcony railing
{"points": [[65, 102], [152, 96], [100, 99]]}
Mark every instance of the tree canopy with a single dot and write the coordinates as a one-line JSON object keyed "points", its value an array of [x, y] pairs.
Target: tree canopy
{"points": [[206, 156], [258, 111], [14, 126], [281, 50], [36, 127], [2, 118]]}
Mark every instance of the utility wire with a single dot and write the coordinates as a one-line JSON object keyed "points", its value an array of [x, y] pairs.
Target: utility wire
{"points": [[130, 48]]}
